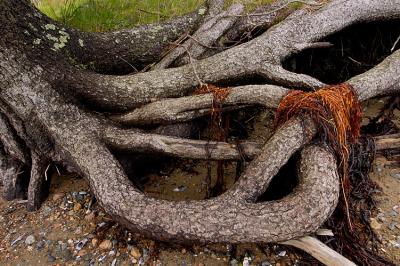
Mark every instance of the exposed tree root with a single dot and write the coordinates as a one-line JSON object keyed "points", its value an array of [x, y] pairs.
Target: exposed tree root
{"points": [[54, 104], [10, 173], [37, 183], [207, 34]]}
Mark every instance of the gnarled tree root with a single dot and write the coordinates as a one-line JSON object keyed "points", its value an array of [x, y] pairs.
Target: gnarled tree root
{"points": [[52, 99]]}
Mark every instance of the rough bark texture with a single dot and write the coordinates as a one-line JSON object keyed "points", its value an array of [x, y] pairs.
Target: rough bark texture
{"points": [[52, 110]]}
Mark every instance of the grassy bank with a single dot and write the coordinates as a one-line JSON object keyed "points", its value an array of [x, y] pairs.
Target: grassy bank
{"points": [[104, 15]]}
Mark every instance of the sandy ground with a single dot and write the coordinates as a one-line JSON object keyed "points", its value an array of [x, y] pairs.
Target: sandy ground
{"points": [[71, 229]]}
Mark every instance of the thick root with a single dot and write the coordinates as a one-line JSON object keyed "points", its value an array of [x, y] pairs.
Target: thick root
{"points": [[37, 183]]}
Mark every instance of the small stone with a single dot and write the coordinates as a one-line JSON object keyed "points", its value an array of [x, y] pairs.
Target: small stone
{"points": [[135, 252], [246, 261], [375, 224], [58, 196], [47, 211], [77, 207], [102, 258], [81, 244], [30, 240], [88, 257], [95, 241], [78, 230], [183, 251], [50, 258], [392, 226], [90, 217], [396, 175], [180, 189], [17, 240], [233, 262], [381, 218], [40, 245], [79, 197], [82, 252], [105, 245], [282, 254]]}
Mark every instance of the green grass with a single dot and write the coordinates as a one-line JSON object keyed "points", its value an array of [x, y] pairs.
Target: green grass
{"points": [[105, 15]]}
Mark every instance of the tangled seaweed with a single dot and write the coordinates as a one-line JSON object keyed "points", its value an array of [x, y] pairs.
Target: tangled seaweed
{"points": [[219, 128]]}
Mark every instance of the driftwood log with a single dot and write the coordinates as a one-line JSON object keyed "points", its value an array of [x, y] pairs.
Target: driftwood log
{"points": [[71, 97]]}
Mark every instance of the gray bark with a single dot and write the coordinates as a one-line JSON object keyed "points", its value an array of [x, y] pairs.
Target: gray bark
{"points": [[261, 56], [383, 79]]}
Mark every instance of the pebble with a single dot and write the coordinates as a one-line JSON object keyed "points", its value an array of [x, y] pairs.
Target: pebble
{"points": [[78, 230], [47, 211], [375, 224], [105, 245], [282, 254], [102, 258], [82, 252], [95, 241], [392, 226], [90, 217], [30, 240], [81, 244], [17, 240], [40, 245], [234, 263], [180, 189], [58, 196], [77, 207], [135, 252], [50, 258], [396, 175], [246, 261], [381, 218]]}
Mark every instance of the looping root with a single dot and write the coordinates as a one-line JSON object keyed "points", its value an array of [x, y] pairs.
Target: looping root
{"points": [[336, 111]]}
